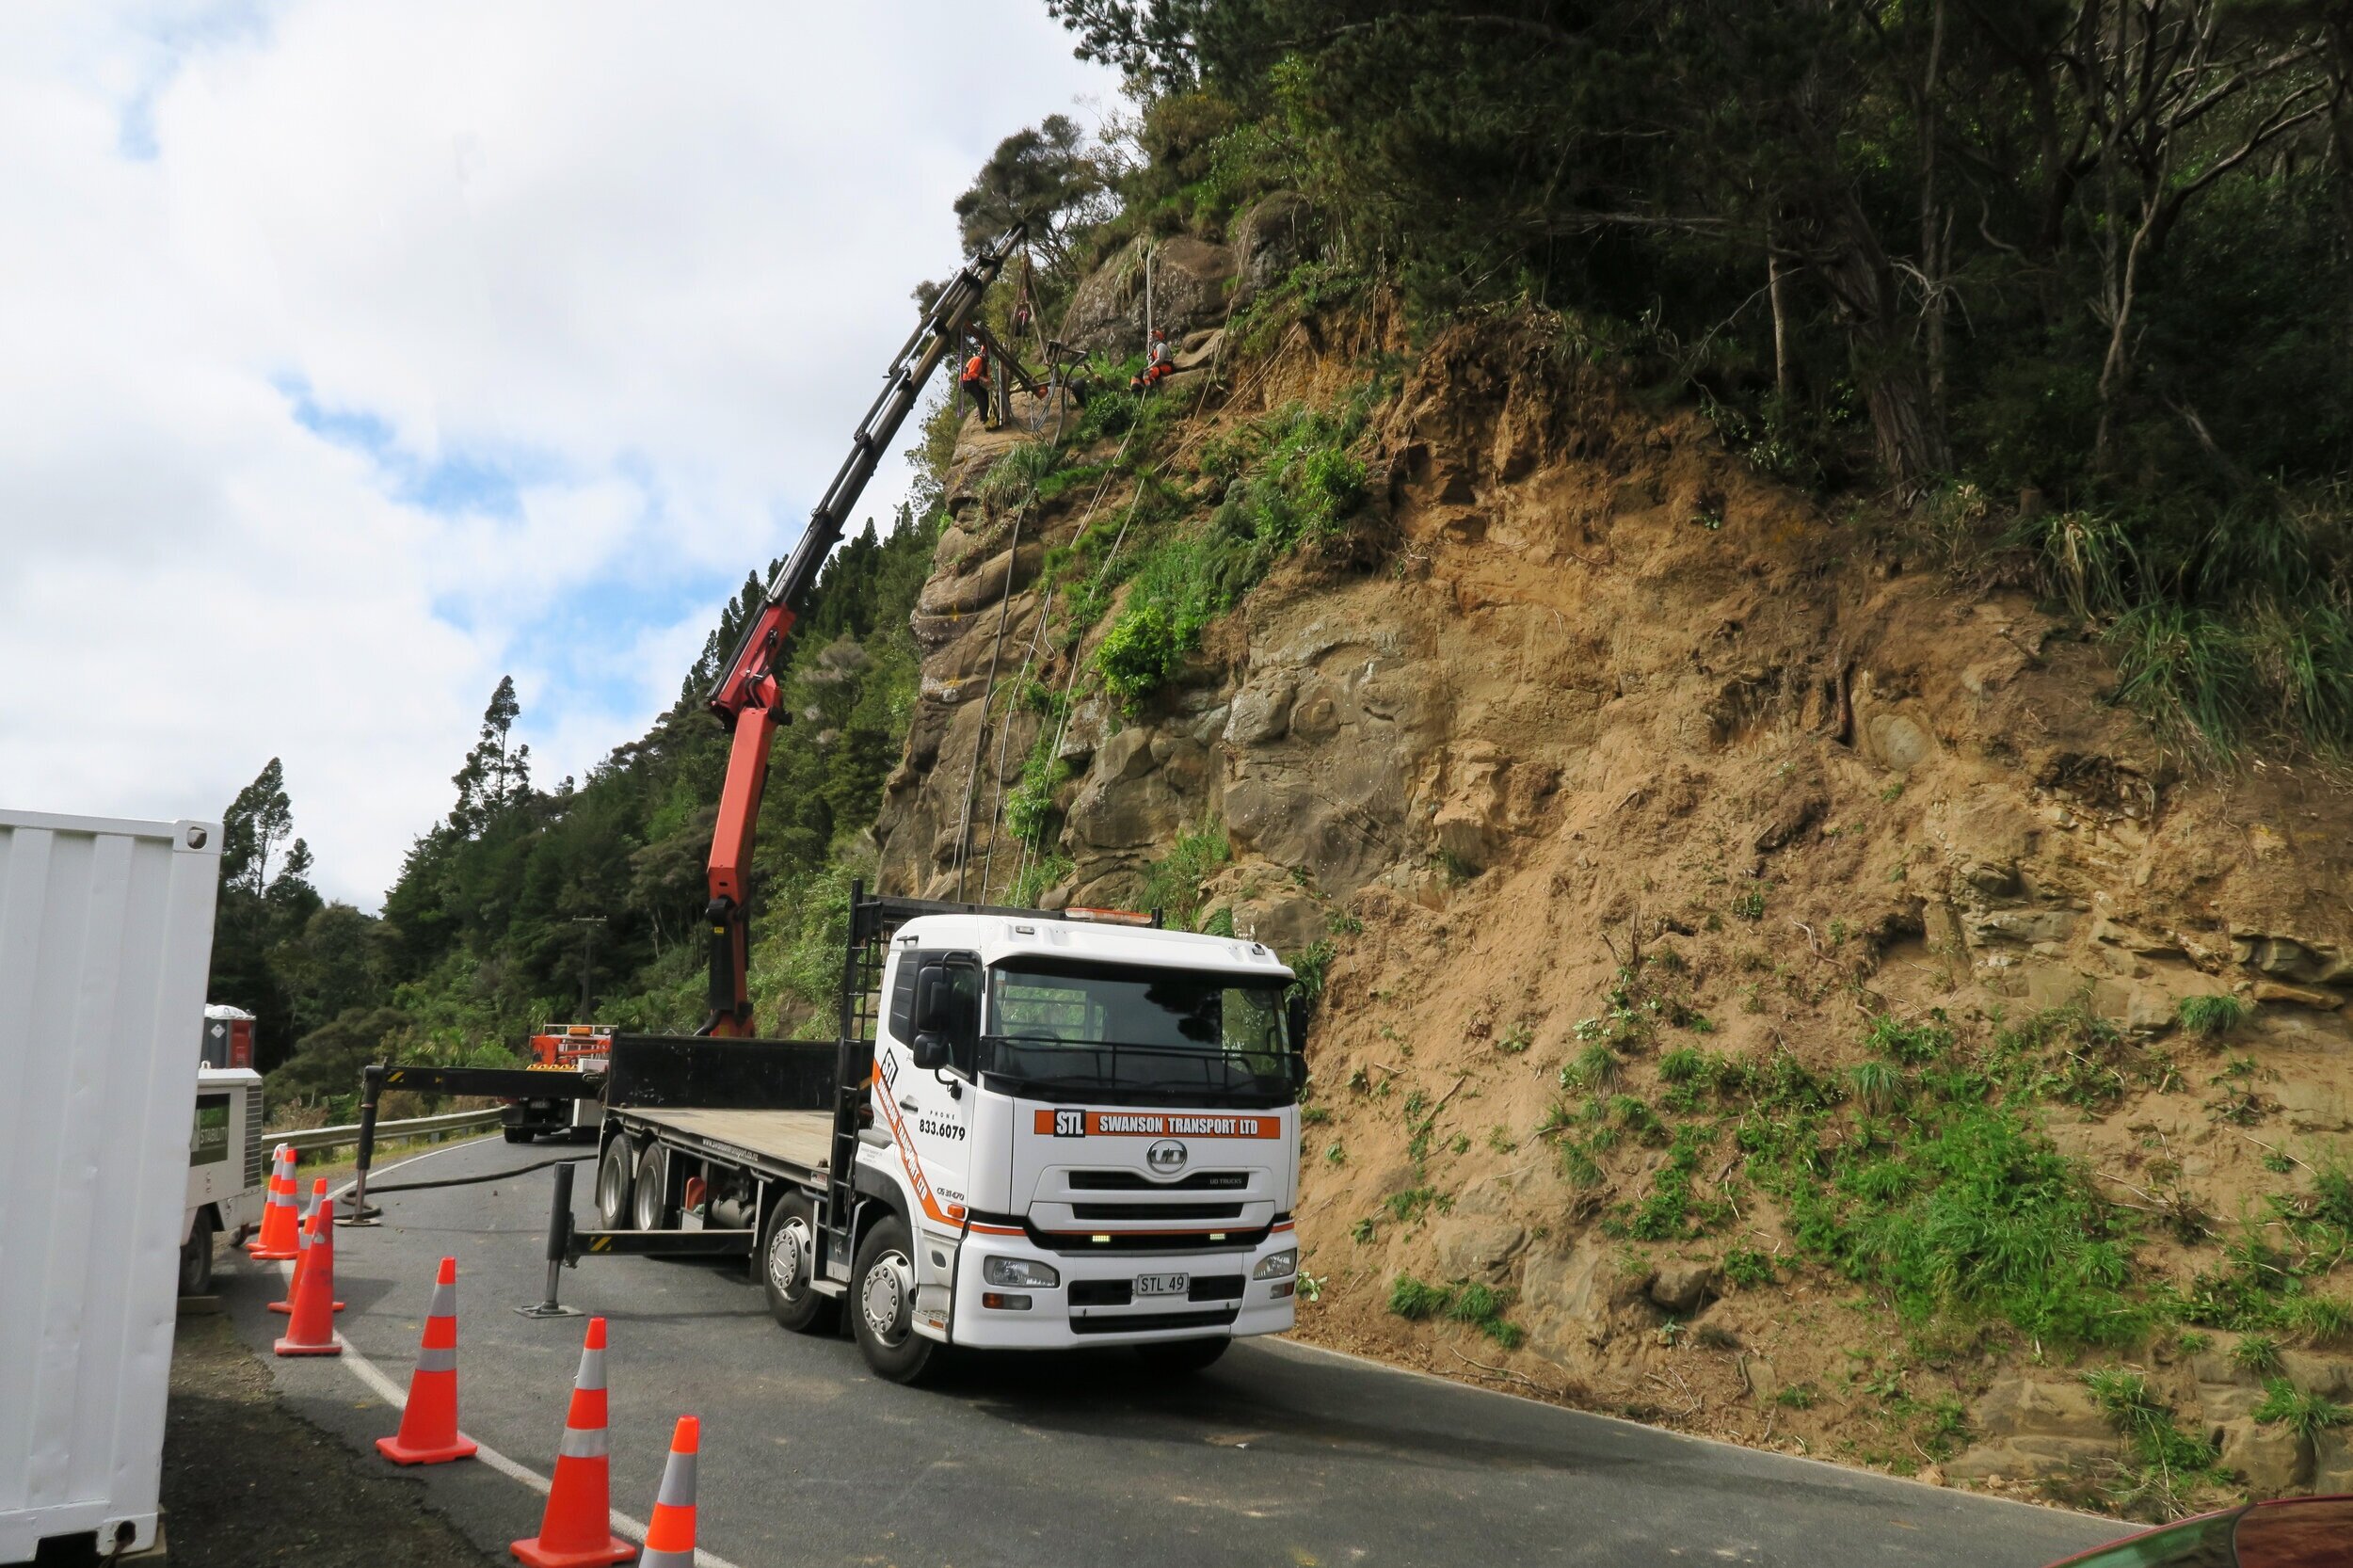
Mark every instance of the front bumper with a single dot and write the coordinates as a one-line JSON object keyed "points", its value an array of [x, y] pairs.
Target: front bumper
{"points": [[1083, 1309]]}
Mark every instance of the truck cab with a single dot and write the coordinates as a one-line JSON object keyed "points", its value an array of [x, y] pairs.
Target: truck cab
{"points": [[1092, 1129]]}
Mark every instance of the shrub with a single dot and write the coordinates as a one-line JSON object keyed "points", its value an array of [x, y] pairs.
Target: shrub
{"points": [[1746, 1269], [2306, 1414], [2256, 1352], [1414, 1300], [2210, 1018]]}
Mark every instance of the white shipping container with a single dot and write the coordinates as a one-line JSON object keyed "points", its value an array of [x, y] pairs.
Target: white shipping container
{"points": [[105, 937]]}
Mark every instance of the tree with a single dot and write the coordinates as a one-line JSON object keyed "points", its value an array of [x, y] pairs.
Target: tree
{"points": [[497, 773], [1045, 175], [255, 823]]}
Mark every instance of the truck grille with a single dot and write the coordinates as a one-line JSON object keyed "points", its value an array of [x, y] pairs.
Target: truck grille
{"points": [[1136, 1181], [1080, 1242], [253, 1135], [1145, 1323], [1156, 1210]]}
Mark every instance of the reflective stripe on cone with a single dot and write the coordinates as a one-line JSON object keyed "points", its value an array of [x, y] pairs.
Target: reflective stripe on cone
{"points": [[670, 1537]]}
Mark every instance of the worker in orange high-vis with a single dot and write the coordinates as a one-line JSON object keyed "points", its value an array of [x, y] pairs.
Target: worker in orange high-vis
{"points": [[976, 384], [1157, 366]]}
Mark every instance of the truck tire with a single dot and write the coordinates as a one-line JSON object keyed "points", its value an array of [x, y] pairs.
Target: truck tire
{"points": [[788, 1262], [882, 1305], [649, 1203], [195, 1257], [1182, 1358], [616, 1170]]}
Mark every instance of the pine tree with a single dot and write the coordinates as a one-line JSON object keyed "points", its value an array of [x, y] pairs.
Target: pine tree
{"points": [[255, 823], [497, 773]]}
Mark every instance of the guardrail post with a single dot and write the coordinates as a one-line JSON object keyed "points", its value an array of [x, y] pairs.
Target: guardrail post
{"points": [[559, 1237], [371, 1089]]}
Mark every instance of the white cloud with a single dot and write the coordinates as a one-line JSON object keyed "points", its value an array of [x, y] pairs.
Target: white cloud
{"points": [[351, 349]]}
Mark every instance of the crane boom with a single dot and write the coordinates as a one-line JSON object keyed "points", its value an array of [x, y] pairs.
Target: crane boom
{"points": [[746, 697]]}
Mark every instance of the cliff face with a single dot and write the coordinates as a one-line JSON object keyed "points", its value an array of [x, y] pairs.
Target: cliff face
{"points": [[1583, 735]]}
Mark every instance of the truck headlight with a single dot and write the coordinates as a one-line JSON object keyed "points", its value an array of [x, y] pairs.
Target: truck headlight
{"points": [[1019, 1270], [1277, 1265]]}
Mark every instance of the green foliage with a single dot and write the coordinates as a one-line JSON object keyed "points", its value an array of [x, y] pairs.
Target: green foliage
{"points": [[2256, 1352], [1291, 480], [2306, 1414], [1746, 1269], [2210, 1018], [1307, 969], [1172, 883], [1480, 1306], [1029, 814], [2171, 1463]]}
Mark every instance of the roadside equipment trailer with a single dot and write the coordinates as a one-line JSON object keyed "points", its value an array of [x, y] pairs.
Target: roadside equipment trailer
{"points": [[105, 935]]}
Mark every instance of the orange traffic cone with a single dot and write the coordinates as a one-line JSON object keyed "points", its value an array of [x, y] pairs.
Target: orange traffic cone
{"points": [[670, 1538], [429, 1422], [279, 1235], [576, 1530], [312, 1329], [302, 1254]]}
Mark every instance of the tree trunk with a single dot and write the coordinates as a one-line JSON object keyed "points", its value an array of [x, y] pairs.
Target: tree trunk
{"points": [[1912, 446]]}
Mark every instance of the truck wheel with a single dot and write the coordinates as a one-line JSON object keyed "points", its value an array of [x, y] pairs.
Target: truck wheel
{"points": [[196, 1258], [517, 1134], [1182, 1358], [649, 1203], [613, 1183], [789, 1262], [882, 1305]]}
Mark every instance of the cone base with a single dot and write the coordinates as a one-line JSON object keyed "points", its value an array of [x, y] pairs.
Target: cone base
{"points": [[533, 1555], [269, 1254], [334, 1346], [285, 1309], [402, 1453]]}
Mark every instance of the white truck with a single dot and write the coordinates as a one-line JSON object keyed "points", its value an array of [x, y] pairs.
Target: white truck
{"points": [[1034, 1130], [227, 1183]]}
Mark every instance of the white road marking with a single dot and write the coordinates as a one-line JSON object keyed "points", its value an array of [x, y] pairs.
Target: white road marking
{"points": [[369, 1373]]}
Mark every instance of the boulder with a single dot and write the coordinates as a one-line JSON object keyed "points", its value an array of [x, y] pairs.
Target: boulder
{"points": [[2269, 1459], [2314, 1372], [1262, 710], [982, 588], [1471, 1247], [1679, 1286], [1190, 279], [2313, 1105], [1269, 240], [2278, 993], [2218, 1403], [2016, 1407]]}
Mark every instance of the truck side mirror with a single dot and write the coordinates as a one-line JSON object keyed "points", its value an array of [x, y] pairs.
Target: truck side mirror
{"points": [[935, 1000], [930, 1052], [1295, 1017]]}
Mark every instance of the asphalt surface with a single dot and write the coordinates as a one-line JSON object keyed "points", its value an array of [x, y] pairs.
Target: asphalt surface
{"points": [[1280, 1455]]}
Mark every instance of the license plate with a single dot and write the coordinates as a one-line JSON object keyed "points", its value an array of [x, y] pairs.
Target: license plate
{"points": [[1162, 1285]]}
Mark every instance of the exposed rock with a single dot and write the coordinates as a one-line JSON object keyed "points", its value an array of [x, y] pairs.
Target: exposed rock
{"points": [[1471, 1247], [1188, 292], [2278, 993], [2227, 1401], [1899, 742], [1261, 711], [2313, 1105], [1284, 920], [1269, 240], [1566, 1299], [2017, 1406], [2037, 1457], [2269, 1459], [2333, 1461], [982, 588], [1679, 1286], [2316, 1372]]}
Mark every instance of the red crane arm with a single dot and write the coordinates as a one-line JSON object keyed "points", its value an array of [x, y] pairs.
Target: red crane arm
{"points": [[745, 695]]}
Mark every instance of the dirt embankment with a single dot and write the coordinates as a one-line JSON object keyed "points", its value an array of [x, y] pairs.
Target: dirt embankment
{"points": [[1628, 793]]}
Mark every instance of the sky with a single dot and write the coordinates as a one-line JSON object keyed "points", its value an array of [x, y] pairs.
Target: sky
{"points": [[355, 355]]}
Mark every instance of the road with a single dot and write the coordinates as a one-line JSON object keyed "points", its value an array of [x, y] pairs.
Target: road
{"points": [[1281, 1454]]}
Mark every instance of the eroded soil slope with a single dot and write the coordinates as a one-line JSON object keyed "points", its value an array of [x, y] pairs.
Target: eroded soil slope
{"points": [[1755, 967]]}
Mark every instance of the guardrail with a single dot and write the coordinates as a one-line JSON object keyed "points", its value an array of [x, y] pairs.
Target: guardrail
{"points": [[315, 1140]]}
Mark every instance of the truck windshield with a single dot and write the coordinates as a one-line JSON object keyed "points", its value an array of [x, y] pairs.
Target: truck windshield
{"points": [[1077, 1029]]}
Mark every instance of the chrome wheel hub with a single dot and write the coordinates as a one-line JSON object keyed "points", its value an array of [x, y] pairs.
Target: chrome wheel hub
{"points": [[884, 1295], [787, 1254]]}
